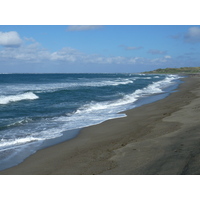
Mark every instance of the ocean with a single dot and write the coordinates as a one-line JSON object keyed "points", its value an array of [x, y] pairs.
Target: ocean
{"points": [[37, 110]]}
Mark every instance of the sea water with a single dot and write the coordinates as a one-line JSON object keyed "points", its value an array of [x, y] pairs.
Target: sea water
{"points": [[36, 108]]}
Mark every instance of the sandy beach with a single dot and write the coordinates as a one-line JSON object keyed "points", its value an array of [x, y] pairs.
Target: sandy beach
{"points": [[158, 138]]}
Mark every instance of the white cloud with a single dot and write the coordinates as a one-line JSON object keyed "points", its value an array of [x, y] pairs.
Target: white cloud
{"points": [[82, 27], [10, 39], [167, 57], [34, 53], [115, 60], [67, 54], [160, 61], [193, 35], [135, 60]]}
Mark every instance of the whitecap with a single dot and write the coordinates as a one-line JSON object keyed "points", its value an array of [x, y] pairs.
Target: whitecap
{"points": [[19, 97]]}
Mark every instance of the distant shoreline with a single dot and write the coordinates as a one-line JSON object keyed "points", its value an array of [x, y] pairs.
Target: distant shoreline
{"points": [[181, 70]]}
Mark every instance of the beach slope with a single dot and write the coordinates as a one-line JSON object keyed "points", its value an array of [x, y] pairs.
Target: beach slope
{"points": [[158, 138]]}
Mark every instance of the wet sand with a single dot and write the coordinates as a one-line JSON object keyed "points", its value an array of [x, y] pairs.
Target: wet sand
{"points": [[158, 138]]}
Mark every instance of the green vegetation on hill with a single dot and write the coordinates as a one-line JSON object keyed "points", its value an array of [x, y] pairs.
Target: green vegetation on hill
{"points": [[185, 70]]}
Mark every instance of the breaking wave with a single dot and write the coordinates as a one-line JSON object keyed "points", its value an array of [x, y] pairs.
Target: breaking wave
{"points": [[18, 97]]}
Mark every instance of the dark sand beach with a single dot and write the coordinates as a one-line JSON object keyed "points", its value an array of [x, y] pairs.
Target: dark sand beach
{"points": [[158, 138]]}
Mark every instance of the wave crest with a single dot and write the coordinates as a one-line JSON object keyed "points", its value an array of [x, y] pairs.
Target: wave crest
{"points": [[19, 97]]}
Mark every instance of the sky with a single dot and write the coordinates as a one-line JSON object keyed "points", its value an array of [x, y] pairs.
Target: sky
{"points": [[97, 48]]}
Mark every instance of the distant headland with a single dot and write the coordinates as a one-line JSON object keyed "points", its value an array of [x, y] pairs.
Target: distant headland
{"points": [[181, 70]]}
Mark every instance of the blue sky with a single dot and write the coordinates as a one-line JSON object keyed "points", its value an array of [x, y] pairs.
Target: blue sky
{"points": [[101, 48]]}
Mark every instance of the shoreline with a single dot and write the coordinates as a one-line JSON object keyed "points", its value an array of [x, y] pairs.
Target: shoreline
{"points": [[72, 134], [155, 138]]}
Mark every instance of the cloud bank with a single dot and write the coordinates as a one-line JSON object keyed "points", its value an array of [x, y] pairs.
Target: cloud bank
{"points": [[34, 53]]}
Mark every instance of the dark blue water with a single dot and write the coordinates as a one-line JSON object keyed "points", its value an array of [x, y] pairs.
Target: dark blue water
{"points": [[39, 107]]}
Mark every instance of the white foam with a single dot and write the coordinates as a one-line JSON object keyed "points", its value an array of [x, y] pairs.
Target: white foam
{"points": [[146, 78], [19, 97], [112, 106], [20, 122], [52, 87], [86, 115], [11, 143], [36, 132]]}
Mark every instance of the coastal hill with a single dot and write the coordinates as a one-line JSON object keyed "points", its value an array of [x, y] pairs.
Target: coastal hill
{"points": [[182, 70]]}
